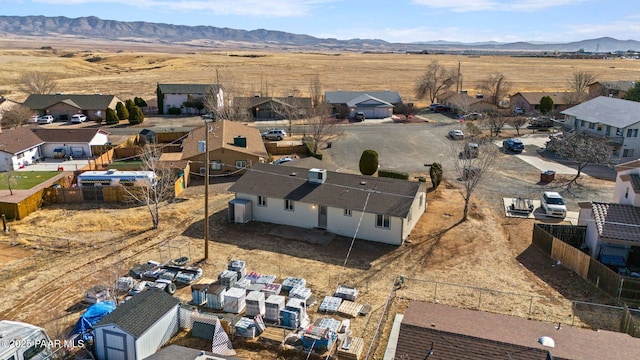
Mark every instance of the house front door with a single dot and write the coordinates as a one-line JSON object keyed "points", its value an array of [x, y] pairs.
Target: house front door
{"points": [[322, 217]]}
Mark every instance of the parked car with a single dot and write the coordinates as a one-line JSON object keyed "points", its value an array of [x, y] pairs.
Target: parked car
{"points": [[59, 153], [282, 160], [433, 106], [208, 116], [470, 151], [518, 111], [45, 119], [274, 134], [514, 145], [471, 116], [359, 116], [440, 108], [78, 118], [33, 119], [456, 134], [553, 204]]}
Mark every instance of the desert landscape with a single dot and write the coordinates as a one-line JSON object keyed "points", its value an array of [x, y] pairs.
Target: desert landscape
{"points": [[488, 254]]}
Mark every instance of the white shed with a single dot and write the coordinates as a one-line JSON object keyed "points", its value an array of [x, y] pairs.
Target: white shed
{"points": [[240, 211], [137, 328]]}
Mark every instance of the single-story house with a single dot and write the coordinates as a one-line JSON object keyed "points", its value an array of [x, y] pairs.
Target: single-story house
{"points": [[76, 142], [374, 104], [137, 328], [530, 101], [617, 89], [187, 97], [627, 189], [19, 147], [63, 106], [455, 333], [612, 118], [462, 103], [233, 147], [371, 208], [272, 108]]}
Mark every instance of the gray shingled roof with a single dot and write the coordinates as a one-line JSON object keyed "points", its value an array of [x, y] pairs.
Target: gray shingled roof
{"points": [[13, 141], [635, 182], [343, 97], [253, 101], [617, 85], [388, 196], [188, 88], [83, 102], [140, 312], [463, 334], [67, 135], [608, 111], [366, 97], [617, 221]]}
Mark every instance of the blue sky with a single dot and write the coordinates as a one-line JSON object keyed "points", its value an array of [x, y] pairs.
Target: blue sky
{"points": [[391, 20]]}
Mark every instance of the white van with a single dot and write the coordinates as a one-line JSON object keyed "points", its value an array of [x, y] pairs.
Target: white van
{"points": [[20, 340]]}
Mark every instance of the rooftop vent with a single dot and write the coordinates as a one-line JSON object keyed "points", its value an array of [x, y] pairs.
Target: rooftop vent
{"points": [[363, 182], [317, 176], [547, 341], [293, 174]]}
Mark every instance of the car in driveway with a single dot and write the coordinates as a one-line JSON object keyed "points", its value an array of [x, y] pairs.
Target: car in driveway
{"points": [[456, 135], [78, 118], [471, 116], [274, 134], [45, 119], [440, 108], [282, 160], [433, 106], [513, 145], [33, 119], [553, 204], [518, 111]]}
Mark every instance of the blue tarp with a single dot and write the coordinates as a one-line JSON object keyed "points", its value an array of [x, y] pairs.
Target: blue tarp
{"points": [[90, 317]]}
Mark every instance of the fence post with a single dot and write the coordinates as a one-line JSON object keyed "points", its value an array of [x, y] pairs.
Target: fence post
{"points": [[620, 288]]}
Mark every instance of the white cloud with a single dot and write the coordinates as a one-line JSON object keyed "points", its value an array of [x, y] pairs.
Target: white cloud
{"points": [[621, 30], [495, 5], [263, 8]]}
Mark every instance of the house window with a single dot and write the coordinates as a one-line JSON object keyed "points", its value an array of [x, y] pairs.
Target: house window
{"points": [[599, 127], [383, 221], [347, 212], [421, 200], [626, 194], [262, 200], [608, 130], [629, 132], [615, 152], [592, 126], [215, 165], [627, 153], [583, 123], [241, 164], [288, 205]]}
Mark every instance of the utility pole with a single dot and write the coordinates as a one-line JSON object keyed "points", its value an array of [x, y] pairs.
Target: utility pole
{"points": [[458, 80], [206, 191]]}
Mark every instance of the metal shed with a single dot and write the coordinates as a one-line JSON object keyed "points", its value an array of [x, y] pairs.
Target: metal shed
{"points": [[137, 328], [240, 211]]}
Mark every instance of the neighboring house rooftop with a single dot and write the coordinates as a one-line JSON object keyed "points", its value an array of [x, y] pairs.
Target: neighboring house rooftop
{"points": [[461, 99], [85, 102], [140, 312], [13, 141], [188, 88], [633, 164], [343, 97], [463, 334], [617, 221], [608, 111], [634, 179], [67, 135], [222, 136], [256, 101], [366, 97], [533, 98], [347, 191], [620, 85]]}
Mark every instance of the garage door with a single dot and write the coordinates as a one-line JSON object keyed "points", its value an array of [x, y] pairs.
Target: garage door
{"points": [[115, 346]]}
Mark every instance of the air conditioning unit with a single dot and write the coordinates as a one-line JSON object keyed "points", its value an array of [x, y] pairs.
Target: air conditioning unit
{"points": [[317, 176], [203, 171]]}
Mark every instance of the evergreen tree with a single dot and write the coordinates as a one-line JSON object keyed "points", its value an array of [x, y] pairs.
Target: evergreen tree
{"points": [[136, 116], [435, 172], [122, 111], [112, 116], [369, 162], [546, 104], [634, 93]]}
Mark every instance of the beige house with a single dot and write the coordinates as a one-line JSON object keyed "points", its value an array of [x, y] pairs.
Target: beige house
{"points": [[63, 106], [233, 147], [462, 103], [617, 89], [530, 101]]}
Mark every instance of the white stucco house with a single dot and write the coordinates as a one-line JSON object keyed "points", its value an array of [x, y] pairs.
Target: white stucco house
{"points": [[76, 142], [138, 328], [19, 147], [186, 96], [613, 229], [371, 208], [615, 119]]}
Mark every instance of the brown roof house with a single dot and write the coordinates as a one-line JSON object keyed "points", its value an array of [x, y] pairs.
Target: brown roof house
{"points": [[19, 147], [233, 147], [530, 101], [371, 208], [63, 106], [439, 332], [272, 108], [462, 103], [613, 229], [617, 89]]}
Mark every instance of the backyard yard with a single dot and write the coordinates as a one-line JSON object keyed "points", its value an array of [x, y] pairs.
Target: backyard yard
{"points": [[24, 180]]}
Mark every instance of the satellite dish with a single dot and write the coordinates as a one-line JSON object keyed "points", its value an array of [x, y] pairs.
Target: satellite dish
{"points": [[547, 341]]}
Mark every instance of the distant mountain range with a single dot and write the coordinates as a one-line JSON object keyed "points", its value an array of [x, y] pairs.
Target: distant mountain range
{"points": [[211, 37]]}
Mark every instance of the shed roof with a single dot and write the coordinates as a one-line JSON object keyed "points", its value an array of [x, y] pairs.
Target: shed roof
{"points": [[188, 88], [617, 221], [140, 312], [469, 334], [347, 191], [84, 135], [608, 111], [222, 136], [14, 141], [343, 97], [83, 102]]}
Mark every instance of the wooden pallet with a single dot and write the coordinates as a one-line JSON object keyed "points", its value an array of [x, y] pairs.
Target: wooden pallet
{"points": [[349, 308], [354, 348]]}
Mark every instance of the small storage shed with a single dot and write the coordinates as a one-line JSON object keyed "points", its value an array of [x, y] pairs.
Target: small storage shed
{"points": [[137, 328], [240, 211]]}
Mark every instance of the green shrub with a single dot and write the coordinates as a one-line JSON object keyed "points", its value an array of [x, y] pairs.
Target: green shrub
{"points": [[368, 162], [393, 174], [112, 117], [174, 111], [122, 111], [436, 173], [136, 116]]}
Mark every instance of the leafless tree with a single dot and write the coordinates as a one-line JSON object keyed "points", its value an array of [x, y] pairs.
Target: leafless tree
{"points": [[517, 122], [581, 149], [155, 193], [315, 91], [16, 116], [578, 82], [435, 80], [495, 122], [223, 108], [286, 110], [471, 170], [38, 83], [495, 88], [321, 127]]}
